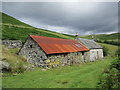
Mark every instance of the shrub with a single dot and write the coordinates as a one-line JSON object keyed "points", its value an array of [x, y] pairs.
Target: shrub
{"points": [[116, 64], [111, 76]]}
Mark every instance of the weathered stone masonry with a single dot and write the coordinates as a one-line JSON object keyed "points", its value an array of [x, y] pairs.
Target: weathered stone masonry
{"points": [[67, 59], [33, 52], [12, 43]]}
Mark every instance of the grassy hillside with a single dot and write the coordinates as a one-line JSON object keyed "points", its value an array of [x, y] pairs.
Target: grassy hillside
{"points": [[85, 75], [14, 29], [10, 20], [112, 39], [114, 36]]}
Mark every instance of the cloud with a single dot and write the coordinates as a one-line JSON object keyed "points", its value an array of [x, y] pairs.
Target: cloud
{"points": [[65, 17]]}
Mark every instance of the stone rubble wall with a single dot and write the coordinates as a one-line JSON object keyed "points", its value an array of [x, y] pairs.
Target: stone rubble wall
{"points": [[12, 43], [33, 53], [69, 59], [73, 58], [86, 56]]}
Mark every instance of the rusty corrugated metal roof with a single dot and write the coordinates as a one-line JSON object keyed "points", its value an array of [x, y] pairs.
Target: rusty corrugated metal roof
{"points": [[57, 45]]}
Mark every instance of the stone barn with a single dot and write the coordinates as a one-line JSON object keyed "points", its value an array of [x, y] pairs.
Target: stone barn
{"points": [[43, 51], [95, 52]]}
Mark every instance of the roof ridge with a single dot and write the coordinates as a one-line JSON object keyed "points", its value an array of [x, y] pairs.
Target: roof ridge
{"points": [[50, 37]]}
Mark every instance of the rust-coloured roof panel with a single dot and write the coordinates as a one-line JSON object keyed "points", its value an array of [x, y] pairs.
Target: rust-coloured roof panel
{"points": [[57, 45]]}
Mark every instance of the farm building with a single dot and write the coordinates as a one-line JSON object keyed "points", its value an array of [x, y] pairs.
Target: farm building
{"points": [[95, 52], [43, 51]]}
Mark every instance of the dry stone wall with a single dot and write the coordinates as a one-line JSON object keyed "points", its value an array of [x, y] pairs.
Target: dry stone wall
{"points": [[86, 56], [62, 60], [33, 53], [12, 43]]}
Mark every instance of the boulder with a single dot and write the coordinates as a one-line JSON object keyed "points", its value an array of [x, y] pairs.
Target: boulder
{"points": [[4, 66]]}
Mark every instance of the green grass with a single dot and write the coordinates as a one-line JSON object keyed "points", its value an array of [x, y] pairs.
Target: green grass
{"points": [[81, 76], [17, 33]]}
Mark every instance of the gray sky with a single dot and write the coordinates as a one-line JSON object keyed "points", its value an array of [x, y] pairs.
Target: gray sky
{"points": [[67, 17]]}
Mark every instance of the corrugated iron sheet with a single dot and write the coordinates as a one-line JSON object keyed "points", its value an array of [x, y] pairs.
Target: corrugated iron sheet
{"points": [[56, 45]]}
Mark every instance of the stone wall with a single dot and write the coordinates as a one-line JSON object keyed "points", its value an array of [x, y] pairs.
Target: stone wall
{"points": [[67, 59], [12, 43], [33, 53], [74, 58], [86, 56]]}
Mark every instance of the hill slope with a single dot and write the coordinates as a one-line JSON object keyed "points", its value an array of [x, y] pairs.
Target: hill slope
{"points": [[14, 29], [113, 36], [10, 20], [105, 38]]}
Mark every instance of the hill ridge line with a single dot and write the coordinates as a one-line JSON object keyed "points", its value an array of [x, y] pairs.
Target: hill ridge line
{"points": [[21, 26]]}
